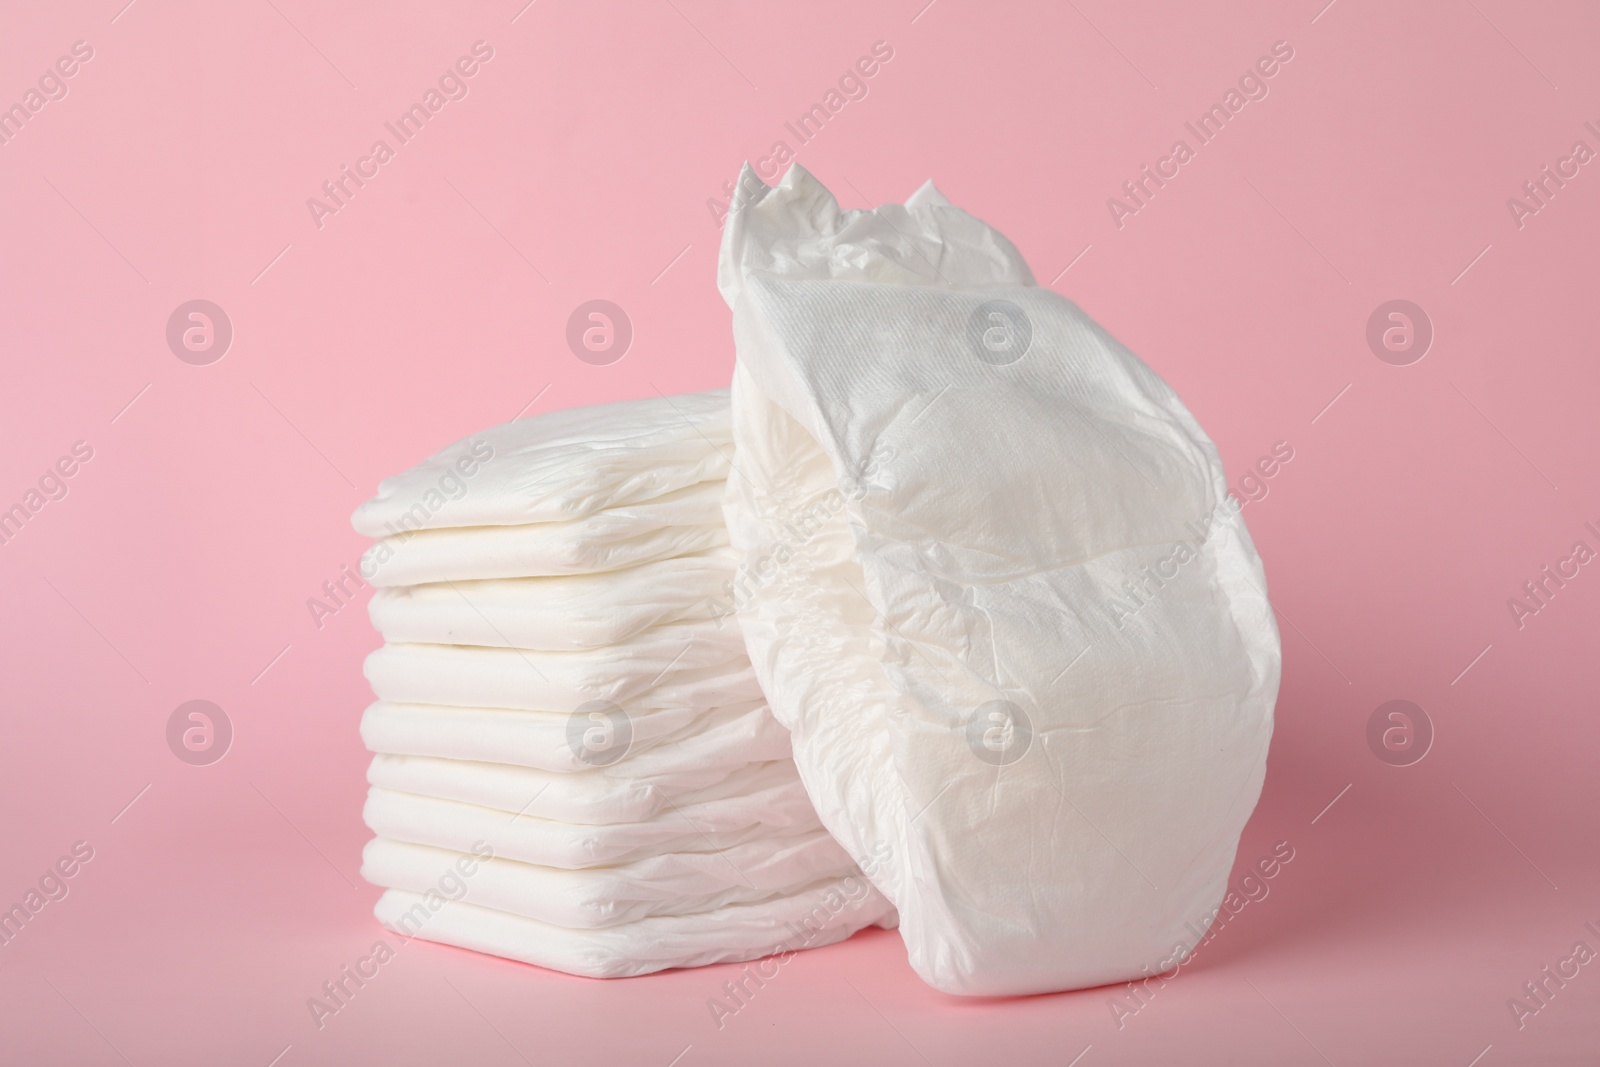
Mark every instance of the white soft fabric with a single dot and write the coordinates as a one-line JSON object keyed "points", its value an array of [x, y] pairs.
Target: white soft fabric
{"points": [[992, 582], [582, 611], [675, 883], [666, 744], [693, 665], [594, 796], [605, 541], [775, 812], [821, 914], [559, 466]]}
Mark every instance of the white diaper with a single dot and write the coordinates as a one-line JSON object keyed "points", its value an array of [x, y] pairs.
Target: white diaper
{"points": [[821, 914], [590, 796], [572, 612], [674, 883], [996, 589], [692, 665], [707, 827], [595, 544], [664, 743], [559, 466]]}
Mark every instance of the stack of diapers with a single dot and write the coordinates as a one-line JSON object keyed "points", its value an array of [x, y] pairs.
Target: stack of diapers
{"points": [[574, 764], [993, 582]]}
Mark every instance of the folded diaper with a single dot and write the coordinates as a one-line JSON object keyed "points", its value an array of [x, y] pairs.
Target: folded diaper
{"points": [[993, 582], [558, 467], [664, 743], [821, 914], [594, 796], [677, 665], [569, 612], [674, 883], [538, 549], [703, 827]]}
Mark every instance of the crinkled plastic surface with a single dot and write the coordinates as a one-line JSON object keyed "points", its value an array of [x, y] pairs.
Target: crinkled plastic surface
{"points": [[992, 581]]}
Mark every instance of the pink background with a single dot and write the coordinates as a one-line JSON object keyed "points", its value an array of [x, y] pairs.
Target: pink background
{"points": [[578, 167]]}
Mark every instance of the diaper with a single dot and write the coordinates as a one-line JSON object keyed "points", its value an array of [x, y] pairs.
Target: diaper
{"points": [[675, 883], [993, 583], [558, 467], [677, 665], [552, 843], [664, 743], [572, 612], [823, 913], [608, 540], [591, 796]]}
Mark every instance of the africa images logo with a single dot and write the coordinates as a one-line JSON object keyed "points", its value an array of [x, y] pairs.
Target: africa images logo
{"points": [[337, 192], [1252, 85]]}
